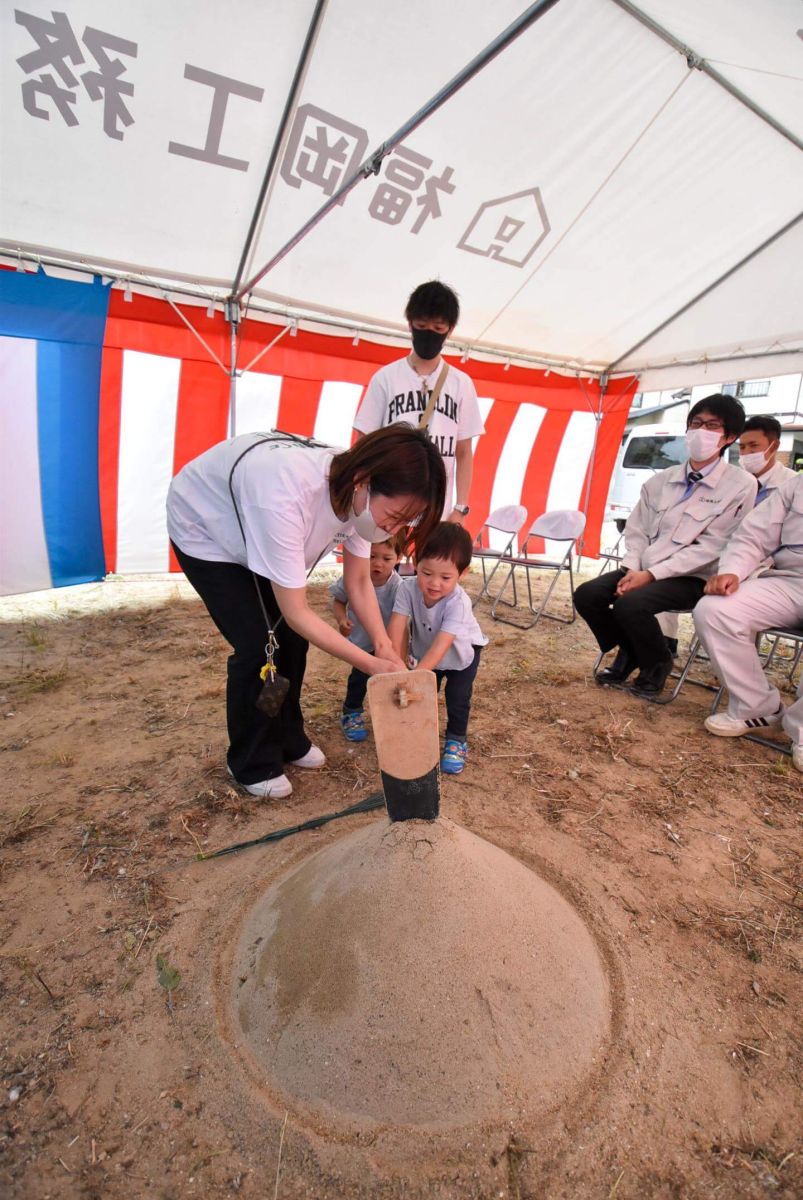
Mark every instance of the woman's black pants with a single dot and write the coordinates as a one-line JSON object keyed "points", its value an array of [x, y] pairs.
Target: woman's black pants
{"points": [[259, 745]]}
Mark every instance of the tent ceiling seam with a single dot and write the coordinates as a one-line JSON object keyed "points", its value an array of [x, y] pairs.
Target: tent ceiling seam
{"points": [[373, 163], [594, 196], [697, 62], [721, 62], [779, 233], [260, 208]]}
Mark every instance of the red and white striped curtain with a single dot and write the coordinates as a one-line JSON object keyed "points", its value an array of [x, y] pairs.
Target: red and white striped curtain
{"points": [[164, 400]]}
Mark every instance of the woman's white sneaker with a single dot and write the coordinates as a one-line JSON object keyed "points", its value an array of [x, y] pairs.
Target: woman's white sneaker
{"points": [[267, 789], [722, 725], [314, 757]]}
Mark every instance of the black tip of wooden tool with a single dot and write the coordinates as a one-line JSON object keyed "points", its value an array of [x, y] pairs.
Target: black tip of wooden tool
{"points": [[412, 799]]}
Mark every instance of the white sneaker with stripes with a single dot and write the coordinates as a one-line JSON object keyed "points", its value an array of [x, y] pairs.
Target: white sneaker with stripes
{"points": [[721, 725]]}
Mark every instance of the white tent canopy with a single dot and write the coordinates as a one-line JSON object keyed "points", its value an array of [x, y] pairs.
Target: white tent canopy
{"points": [[590, 182]]}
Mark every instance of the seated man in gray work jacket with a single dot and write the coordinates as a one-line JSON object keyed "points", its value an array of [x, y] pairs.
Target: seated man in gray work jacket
{"points": [[759, 586], [758, 454], [673, 540], [759, 444]]}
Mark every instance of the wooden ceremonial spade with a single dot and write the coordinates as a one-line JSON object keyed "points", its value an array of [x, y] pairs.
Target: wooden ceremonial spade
{"points": [[404, 714]]}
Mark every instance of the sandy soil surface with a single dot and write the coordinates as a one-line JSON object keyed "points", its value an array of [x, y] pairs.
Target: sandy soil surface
{"points": [[679, 852]]}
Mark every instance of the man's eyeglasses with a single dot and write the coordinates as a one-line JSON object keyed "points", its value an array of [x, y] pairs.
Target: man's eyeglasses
{"points": [[713, 426]]}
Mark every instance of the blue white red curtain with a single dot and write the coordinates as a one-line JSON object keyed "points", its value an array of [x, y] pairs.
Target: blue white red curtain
{"points": [[51, 342]]}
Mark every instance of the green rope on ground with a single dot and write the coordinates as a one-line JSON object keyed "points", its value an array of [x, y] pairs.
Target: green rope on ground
{"points": [[376, 800]]}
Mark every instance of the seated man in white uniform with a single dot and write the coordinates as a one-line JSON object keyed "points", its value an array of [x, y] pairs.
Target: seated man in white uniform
{"points": [[758, 454], [759, 586]]}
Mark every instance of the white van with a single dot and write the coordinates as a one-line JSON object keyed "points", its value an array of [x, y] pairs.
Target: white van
{"points": [[645, 450]]}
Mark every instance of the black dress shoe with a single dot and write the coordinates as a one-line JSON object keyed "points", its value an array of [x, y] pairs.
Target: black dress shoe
{"points": [[623, 665], [650, 680]]}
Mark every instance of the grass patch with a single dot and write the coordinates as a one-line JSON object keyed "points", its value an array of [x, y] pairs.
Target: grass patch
{"points": [[41, 681]]}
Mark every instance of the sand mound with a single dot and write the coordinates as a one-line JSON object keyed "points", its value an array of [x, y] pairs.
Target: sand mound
{"points": [[415, 974]]}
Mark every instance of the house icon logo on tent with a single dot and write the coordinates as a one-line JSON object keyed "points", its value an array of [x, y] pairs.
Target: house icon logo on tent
{"points": [[509, 229]]}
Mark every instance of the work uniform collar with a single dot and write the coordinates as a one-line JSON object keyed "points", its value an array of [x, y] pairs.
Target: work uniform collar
{"points": [[711, 474]]}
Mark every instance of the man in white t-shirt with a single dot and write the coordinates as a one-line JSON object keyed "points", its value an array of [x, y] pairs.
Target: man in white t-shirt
{"points": [[401, 392]]}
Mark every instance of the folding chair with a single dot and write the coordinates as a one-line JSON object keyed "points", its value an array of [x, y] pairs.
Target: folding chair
{"points": [[507, 521], [680, 677], [795, 636], [779, 635], [562, 525], [613, 554]]}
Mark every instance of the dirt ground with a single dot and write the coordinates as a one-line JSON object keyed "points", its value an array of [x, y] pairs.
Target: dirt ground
{"points": [[119, 1078]]}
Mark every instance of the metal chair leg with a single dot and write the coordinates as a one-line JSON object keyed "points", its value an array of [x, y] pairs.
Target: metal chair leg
{"points": [[562, 568], [487, 577]]}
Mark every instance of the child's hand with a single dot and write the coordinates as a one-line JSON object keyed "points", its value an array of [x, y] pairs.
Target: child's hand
{"points": [[345, 626]]}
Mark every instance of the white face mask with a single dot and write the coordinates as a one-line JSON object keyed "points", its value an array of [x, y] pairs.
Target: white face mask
{"points": [[702, 443], [755, 463], [364, 523]]}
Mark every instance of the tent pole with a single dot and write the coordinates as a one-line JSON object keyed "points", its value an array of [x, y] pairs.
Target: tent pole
{"points": [[695, 60], [706, 290], [373, 163], [269, 346], [340, 321], [194, 332], [603, 386], [713, 358], [290, 103], [232, 311]]}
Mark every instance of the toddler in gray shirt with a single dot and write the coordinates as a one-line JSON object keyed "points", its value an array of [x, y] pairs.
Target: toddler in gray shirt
{"points": [[384, 559]]}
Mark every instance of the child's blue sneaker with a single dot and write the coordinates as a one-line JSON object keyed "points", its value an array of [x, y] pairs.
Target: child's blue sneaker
{"points": [[353, 725], [454, 758]]}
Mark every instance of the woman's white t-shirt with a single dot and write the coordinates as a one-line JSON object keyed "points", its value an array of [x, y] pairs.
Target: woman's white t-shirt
{"points": [[282, 492]]}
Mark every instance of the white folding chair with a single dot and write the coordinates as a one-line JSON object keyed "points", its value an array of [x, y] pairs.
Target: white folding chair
{"points": [[563, 525], [795, 636], [506, 521]]}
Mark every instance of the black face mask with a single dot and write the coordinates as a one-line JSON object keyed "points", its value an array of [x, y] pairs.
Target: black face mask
{"points": [[427, 343]]}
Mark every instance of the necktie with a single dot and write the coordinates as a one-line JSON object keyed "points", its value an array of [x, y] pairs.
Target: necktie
{"points": [[692, 479]]}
